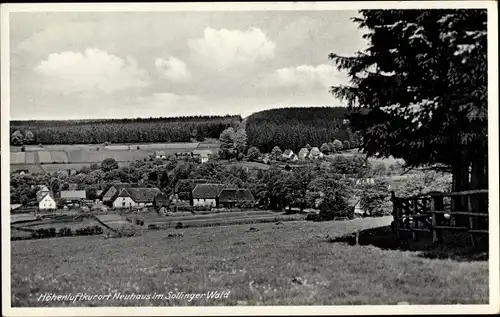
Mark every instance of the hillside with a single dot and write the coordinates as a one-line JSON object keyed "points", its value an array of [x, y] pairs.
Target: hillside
{"points": [[293, 128], [178, 129]]}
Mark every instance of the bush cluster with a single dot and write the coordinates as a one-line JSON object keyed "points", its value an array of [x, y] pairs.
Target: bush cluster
{"points": [[89, 231]]}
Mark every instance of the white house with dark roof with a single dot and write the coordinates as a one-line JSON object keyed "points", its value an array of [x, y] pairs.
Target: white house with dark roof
{"points": [[288, 154], [46, 202], [303, 153], [162, 155], [135, 197], [315, 153], [206, 194]]}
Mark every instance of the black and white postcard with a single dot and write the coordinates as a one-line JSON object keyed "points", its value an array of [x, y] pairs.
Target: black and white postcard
{"points": [[249, 158]]}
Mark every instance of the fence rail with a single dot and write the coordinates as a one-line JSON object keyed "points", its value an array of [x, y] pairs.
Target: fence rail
{"points": [[437, 212]]}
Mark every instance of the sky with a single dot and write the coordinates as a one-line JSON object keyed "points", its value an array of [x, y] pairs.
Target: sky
{"points": [[81, 65]]}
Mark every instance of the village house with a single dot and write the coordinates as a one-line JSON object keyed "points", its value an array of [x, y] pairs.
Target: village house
{"points": [[288, 154], [188, 182], [234, 197], [162, 155], [72, 197], [204, 157], [109, 193], [42, 191], [135, 197], [206, 194], [303, 153], [315, 153], [46, 202]]}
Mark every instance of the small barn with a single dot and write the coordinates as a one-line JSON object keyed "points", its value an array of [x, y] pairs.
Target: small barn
{"points": [[235, 197]]}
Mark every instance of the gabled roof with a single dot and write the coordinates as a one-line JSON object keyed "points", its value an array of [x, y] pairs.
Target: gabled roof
{"points": [[39, 198], [303, 151], [73, 194], [287, 153], [43, 188], [207, 190], [140, 195], [235, 195], [191, 181], [315, 151], [118, 186]]}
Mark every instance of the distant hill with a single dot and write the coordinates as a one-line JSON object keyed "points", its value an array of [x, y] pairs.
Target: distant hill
{"points": [[294, 127], [175, 129]]}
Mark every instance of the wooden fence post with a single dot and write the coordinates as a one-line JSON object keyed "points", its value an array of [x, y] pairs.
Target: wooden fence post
{"points": [[395, 215], [435, 236], [414, 224], [471, 221]]}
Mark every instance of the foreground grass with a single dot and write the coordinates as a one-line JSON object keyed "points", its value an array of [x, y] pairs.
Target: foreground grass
{"points": [[286, 264]]}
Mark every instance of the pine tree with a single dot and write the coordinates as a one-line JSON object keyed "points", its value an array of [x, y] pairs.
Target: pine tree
{"points": [[419, 91]]}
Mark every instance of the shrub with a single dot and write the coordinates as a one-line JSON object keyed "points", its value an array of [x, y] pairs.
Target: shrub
{"points": [[88, 231], [375, 198], [44, 233], [179, 225], [153, 227], [64, 232]]}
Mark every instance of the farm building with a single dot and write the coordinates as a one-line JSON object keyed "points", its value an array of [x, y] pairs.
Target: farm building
{"points": [[162, 155], [315, 153], [14, 207], [206, 194], [204, 157], [231, 197], [135, 197], [108, 194], [73, 195], [46, 202], [303, 153], [188, 182]]}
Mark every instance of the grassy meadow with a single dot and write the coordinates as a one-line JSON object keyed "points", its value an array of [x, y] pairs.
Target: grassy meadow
{"points": [[289, 263]]}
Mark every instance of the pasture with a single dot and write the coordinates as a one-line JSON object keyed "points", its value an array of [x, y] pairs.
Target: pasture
{"points": [[63, 157], [290, 263]]}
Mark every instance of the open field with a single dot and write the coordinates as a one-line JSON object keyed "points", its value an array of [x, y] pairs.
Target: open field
{"points": [[64, 157], [164, 222], [287, 264]]}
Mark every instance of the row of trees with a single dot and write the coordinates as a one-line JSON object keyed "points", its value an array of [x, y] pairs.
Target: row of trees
{"points": [[291, 128], [121, 131]]}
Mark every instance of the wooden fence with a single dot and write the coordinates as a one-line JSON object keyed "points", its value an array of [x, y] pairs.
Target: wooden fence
{"points": [[435, 212]]}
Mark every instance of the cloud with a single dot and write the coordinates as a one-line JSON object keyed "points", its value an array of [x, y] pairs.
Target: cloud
{"points": [[172, 69], [304, 76], [223, 49], [92, 71], [166, 99]]}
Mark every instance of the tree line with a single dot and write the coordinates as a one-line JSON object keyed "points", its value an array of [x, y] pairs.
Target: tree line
{"points": [[294, 127], [180, 129]]}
